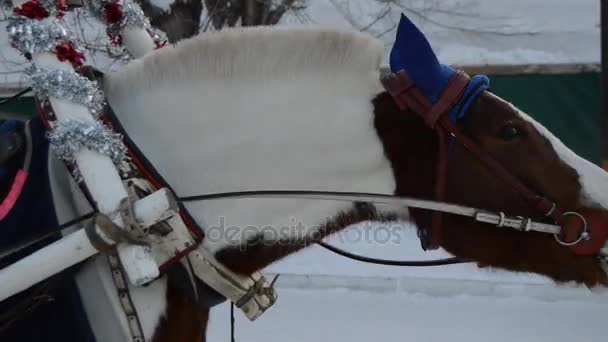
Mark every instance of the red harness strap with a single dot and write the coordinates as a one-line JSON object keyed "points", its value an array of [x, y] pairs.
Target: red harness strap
{"points": [[407, 96]]}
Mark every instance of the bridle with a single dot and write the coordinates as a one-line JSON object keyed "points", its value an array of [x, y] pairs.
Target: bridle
{"points": [[407, 96]]}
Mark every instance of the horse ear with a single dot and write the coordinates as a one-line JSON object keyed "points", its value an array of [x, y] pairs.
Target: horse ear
{"points": [[412, 52]]}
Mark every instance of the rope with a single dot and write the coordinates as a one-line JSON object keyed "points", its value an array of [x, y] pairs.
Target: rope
{"points": [[232, 339], [421, 263]]}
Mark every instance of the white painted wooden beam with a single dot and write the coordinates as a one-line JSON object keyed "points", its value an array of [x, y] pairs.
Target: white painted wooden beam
{"points": [[102, 180], [76, 247], [98, 171]]}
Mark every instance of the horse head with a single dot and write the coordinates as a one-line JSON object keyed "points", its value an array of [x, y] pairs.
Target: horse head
{"points": [[522, 147]]}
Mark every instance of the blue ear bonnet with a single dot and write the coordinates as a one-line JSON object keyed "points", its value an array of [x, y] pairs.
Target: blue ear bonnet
{"points": [[413, 53]]}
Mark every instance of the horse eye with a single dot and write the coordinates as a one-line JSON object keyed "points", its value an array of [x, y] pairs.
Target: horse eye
{"points": [[510, 131]]}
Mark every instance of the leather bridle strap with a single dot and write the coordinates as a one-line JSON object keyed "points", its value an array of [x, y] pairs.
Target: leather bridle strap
{"points": [[407, 96], [496, 219], [540, 203]]}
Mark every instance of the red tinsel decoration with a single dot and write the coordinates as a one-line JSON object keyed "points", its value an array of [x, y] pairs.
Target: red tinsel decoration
{"points": [[62, 7], [160, 44], [32, 9], [113, 12], [115, 38], [66, 52]]}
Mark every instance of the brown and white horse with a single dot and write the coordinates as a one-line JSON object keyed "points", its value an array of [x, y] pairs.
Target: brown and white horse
{"points": [[304, 109]]}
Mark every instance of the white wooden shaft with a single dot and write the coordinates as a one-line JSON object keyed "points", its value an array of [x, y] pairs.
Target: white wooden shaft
{"points": [[45, 263], [76, 247], [103, 182], [98, 171]]}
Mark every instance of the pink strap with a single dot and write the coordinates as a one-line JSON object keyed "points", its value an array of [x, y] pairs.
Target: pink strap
{"points": [[16, 188]]}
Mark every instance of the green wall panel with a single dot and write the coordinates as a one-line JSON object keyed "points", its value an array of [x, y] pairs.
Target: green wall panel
{"points": [[22, 105], [568, 105]]}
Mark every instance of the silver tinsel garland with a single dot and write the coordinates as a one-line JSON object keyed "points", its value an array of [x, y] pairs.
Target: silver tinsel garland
{"points": [[31, 36], [67, 85], [132, 14], [72, 135]]}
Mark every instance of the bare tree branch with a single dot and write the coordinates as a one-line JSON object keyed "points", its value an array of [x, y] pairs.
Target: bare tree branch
{"points": [[384, 21], [276, 15], [377, 19], [229, 13], [496, 31], [181, 21]]}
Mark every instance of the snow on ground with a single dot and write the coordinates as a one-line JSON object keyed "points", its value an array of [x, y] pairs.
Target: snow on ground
{"points": [[389, 242], [325, 297], [344, 315]]}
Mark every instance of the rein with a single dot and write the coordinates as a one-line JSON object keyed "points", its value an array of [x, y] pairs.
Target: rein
{"points": [[496, 219]]}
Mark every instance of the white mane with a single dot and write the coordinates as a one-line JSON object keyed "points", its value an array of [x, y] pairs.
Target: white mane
{"points": [[259, 108], [256, 53]]}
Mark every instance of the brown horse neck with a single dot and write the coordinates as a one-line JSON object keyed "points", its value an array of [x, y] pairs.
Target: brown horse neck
{"points": [[411, 147]]}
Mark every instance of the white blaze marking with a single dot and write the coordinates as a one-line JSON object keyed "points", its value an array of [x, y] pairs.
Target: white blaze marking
{"points": [[593, 179]]}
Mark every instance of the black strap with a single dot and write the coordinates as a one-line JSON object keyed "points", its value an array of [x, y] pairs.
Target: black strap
{"points": [[408, 263]]}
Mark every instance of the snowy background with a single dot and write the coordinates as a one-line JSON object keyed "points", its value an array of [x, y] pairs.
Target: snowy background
{"points": [[324, 297], [464, 32]]}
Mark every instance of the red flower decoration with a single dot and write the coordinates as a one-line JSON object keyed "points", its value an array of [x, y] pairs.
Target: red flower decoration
{"points": [[62, 7], [66, 52], [113, 12], [115, 38], [32, 9]]}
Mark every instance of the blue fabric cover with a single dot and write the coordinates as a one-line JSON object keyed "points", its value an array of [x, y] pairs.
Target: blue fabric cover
{"points": [[62, 319], [413, 53]]}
